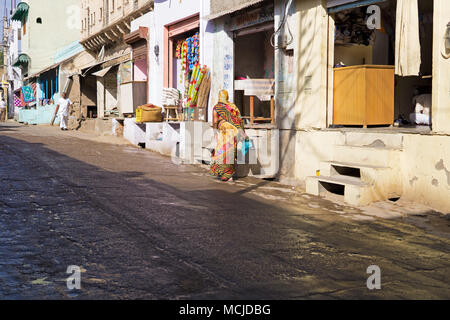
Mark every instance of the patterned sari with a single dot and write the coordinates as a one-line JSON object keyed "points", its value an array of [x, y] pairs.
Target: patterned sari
{"points": [[230, 129]]}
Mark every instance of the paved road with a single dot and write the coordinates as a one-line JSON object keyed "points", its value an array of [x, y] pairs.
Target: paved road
{"points": [[142, 227]]}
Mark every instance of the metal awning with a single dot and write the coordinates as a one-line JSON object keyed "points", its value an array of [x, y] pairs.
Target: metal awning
{"points": [[340, 5], [220, 8], [21, 13], [102, 72], [22, 60], [38, 74]]}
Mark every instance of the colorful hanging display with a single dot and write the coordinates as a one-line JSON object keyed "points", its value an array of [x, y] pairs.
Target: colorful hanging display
{"points": [[28, 94], [188, 52]]}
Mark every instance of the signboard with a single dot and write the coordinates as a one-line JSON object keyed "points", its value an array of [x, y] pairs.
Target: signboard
{"points": [[252, 17]]}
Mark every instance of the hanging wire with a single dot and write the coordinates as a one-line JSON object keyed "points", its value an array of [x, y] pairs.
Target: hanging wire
{"points": [[280, 28]]}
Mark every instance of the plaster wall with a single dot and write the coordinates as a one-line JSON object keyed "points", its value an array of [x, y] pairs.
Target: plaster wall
{"points": [[425, 167], [311, 88], [441, 69], [58, 29]]}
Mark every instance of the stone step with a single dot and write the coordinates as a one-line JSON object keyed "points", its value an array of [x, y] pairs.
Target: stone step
{"points": [[371, 156], [367, 173], [365, 139], [355, 191]]}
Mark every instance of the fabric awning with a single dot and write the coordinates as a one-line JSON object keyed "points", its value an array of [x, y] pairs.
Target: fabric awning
{"points": [[21, 13], [22, 60], [220, 8], [102, 72]]}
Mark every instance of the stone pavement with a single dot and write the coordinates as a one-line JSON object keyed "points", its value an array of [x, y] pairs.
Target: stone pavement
{"points": [[142, 227]]}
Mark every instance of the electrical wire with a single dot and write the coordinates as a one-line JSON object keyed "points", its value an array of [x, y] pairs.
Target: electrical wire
{"points": [[280, 28]]}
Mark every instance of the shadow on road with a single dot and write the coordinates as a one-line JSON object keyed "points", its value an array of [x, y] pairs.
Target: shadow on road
{"points": [[161, 232]]}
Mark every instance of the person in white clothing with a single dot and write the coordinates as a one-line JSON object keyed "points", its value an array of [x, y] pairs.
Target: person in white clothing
{"points": [[63, 111], [3, 116]]}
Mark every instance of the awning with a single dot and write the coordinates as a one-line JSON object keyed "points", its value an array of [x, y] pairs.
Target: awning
{"points": [[38, 74], [136, 36], [219, 8], [102, 72], [21, 12], [339, 5], [22, 60]]}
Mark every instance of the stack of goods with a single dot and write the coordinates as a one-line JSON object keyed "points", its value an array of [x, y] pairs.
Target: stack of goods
{"points": [[148, 113], [170, 97], [351, 28], [422, 109]]}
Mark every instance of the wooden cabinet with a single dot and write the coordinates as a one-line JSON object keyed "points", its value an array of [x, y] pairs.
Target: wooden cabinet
{"points": [[363, 95]]}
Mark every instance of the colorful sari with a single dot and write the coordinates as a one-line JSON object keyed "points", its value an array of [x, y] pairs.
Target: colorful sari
{"points": [[230, 129]]}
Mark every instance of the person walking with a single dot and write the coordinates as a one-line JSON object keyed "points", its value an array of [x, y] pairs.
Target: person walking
{"points": [[63, 111], [228, 122], [3, 115]]}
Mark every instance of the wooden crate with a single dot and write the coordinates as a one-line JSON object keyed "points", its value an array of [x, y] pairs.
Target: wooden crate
{"points": [[363, 95]]}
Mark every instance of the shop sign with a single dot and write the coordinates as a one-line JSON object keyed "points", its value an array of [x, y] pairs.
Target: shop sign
{"points": [[252, 17]]}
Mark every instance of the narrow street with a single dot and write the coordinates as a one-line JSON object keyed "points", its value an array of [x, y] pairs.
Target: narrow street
{"points": [[142, 227]]}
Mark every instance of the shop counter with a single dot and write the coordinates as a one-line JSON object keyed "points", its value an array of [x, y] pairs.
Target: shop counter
{"points": [[363, 95]]}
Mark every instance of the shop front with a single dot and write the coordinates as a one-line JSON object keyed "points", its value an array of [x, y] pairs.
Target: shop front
{"points": [[386, 104], [37, 99], [382, 53], [134, 84], [245, 65]]}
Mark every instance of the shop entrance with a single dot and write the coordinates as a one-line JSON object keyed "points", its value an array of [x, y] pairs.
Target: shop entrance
{"points": [[179, 63], [368, 90], [89, 96], [254, 69]]}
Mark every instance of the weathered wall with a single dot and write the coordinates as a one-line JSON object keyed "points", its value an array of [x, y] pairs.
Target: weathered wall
{"points": [[425, 167], [56, 31], [311, 148], [223, 63], [219, 6], [311, 95]]}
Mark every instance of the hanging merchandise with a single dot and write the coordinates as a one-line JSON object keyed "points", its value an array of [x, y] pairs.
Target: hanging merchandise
{"points": [[28, 94], [351, 28], [188, 52], [199, 74], [184, 63], [178, 53]]}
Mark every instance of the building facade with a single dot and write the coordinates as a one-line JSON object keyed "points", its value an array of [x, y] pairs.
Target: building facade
{"points": [[104, 23], [46, 27], [317, 149]]}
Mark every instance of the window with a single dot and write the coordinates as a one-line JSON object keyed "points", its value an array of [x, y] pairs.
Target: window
{"points": [[101, 14], [112, 5], [39, 20]]}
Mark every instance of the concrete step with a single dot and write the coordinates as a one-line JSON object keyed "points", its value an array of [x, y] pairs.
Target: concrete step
{"points": [[367, 173], [371, 156], [365, 139], [354, 191]]}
